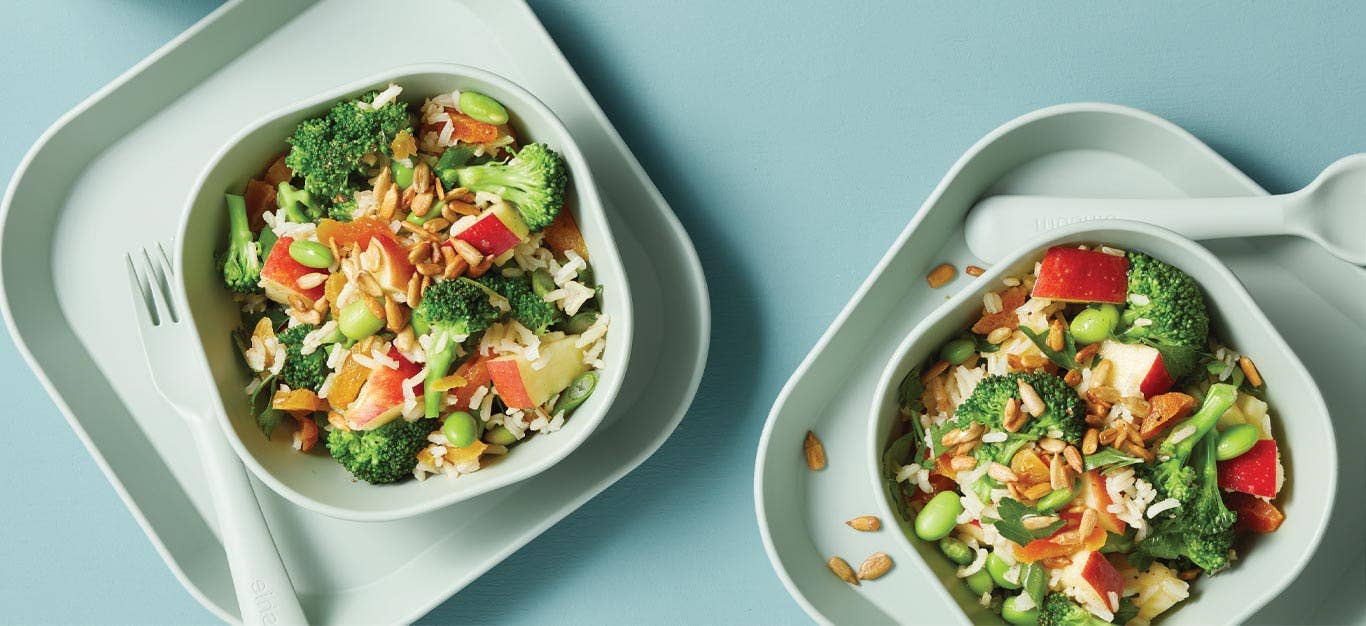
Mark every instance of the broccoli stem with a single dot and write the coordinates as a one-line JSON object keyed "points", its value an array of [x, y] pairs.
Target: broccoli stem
{"points": [[1218, 400], [438, 363], [237, 221]]}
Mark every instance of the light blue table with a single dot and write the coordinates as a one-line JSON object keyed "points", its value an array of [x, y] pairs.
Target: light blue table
{"points": [[793, 140]]}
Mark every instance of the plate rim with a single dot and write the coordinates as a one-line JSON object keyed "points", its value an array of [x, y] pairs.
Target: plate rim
{"points": [[517, 10]]}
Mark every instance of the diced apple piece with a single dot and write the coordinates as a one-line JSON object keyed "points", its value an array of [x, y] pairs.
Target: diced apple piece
{"points": [[1102, 579], [563, 234], [1075, 275], [280, 275], [522, 386], [1254, 472], [498, 230], [1254, 514], [1097, 498], [1136, 368], [394, 267], [381, 398]]}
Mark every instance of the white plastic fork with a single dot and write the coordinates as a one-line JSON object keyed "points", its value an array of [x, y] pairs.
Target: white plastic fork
{"points": [[264, 592]]}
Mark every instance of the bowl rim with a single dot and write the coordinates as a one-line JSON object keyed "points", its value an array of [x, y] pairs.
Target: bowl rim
{"points": [[622, 326], [875, 440]]}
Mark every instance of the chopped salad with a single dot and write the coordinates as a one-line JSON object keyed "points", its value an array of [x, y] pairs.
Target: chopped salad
{"points": [[413, 290], [1087, 450]]}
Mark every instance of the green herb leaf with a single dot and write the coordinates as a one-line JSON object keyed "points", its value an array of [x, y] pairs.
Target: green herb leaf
{"points": [[1066, 359], [267, 417], [909, 392], [1111, 458], [984, 346], [1011, 525], [937, 431]]}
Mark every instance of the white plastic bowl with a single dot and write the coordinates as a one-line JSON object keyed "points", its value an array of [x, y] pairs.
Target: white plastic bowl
{"points": [[315, 481], [1298, 416]]}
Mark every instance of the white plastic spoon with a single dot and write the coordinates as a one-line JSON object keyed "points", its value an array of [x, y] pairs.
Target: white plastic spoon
{"points": [[1331, 211]]}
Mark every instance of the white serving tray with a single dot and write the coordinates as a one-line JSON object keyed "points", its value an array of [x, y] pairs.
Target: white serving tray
{"points": [[1085, 150], [112, 175]]}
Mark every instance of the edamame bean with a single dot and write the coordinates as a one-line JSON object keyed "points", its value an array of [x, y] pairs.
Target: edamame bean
{"points": [[482, 108], [1035, 581], [957, 351], [310, 253], [1054, 500], [1013, 615], [980, 582], [997, 568], [580, 322], [403, 174], [460, 429], [542, 283], [577, 391], [940, 515], [501, 436], [1236, 441], [956, 550], [1093, 325], [356, 321], [435, 211]]}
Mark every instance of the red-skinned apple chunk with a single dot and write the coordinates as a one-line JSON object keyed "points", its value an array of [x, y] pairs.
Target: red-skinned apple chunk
{"points": [[1097, 497], [280, 275], [381, 398], [1136, 369], [1075, 275], [522, 386], [1102, 578], [1254, 471], [496, 231]]}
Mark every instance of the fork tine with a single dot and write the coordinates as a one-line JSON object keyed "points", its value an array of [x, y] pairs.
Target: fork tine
{"points": [[163, 269], [142, 295], [165, 259], [164, 312]]}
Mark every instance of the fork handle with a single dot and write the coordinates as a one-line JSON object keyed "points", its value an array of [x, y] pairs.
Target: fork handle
{"points": [[264, 592]]}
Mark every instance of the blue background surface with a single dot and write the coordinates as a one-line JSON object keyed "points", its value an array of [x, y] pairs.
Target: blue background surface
{"points": [[794, 140]]}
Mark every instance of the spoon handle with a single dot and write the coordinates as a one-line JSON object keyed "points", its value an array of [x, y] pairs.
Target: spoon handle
{"points": [[1000, 224]]}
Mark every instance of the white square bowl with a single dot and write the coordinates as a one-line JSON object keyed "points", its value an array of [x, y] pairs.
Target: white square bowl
{"points": [[1266, 563], [315, 481]]}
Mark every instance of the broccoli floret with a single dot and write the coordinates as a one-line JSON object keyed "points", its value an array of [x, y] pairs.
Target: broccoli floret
{"points": [[1201, 529], [1179, 326], [527, 307], [343, 211], [326, 151], [241, 263], [533, 181], [450, 312], [1059, 610], [302, 371], [1064, 411], [296, 204], [383, 455]]}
